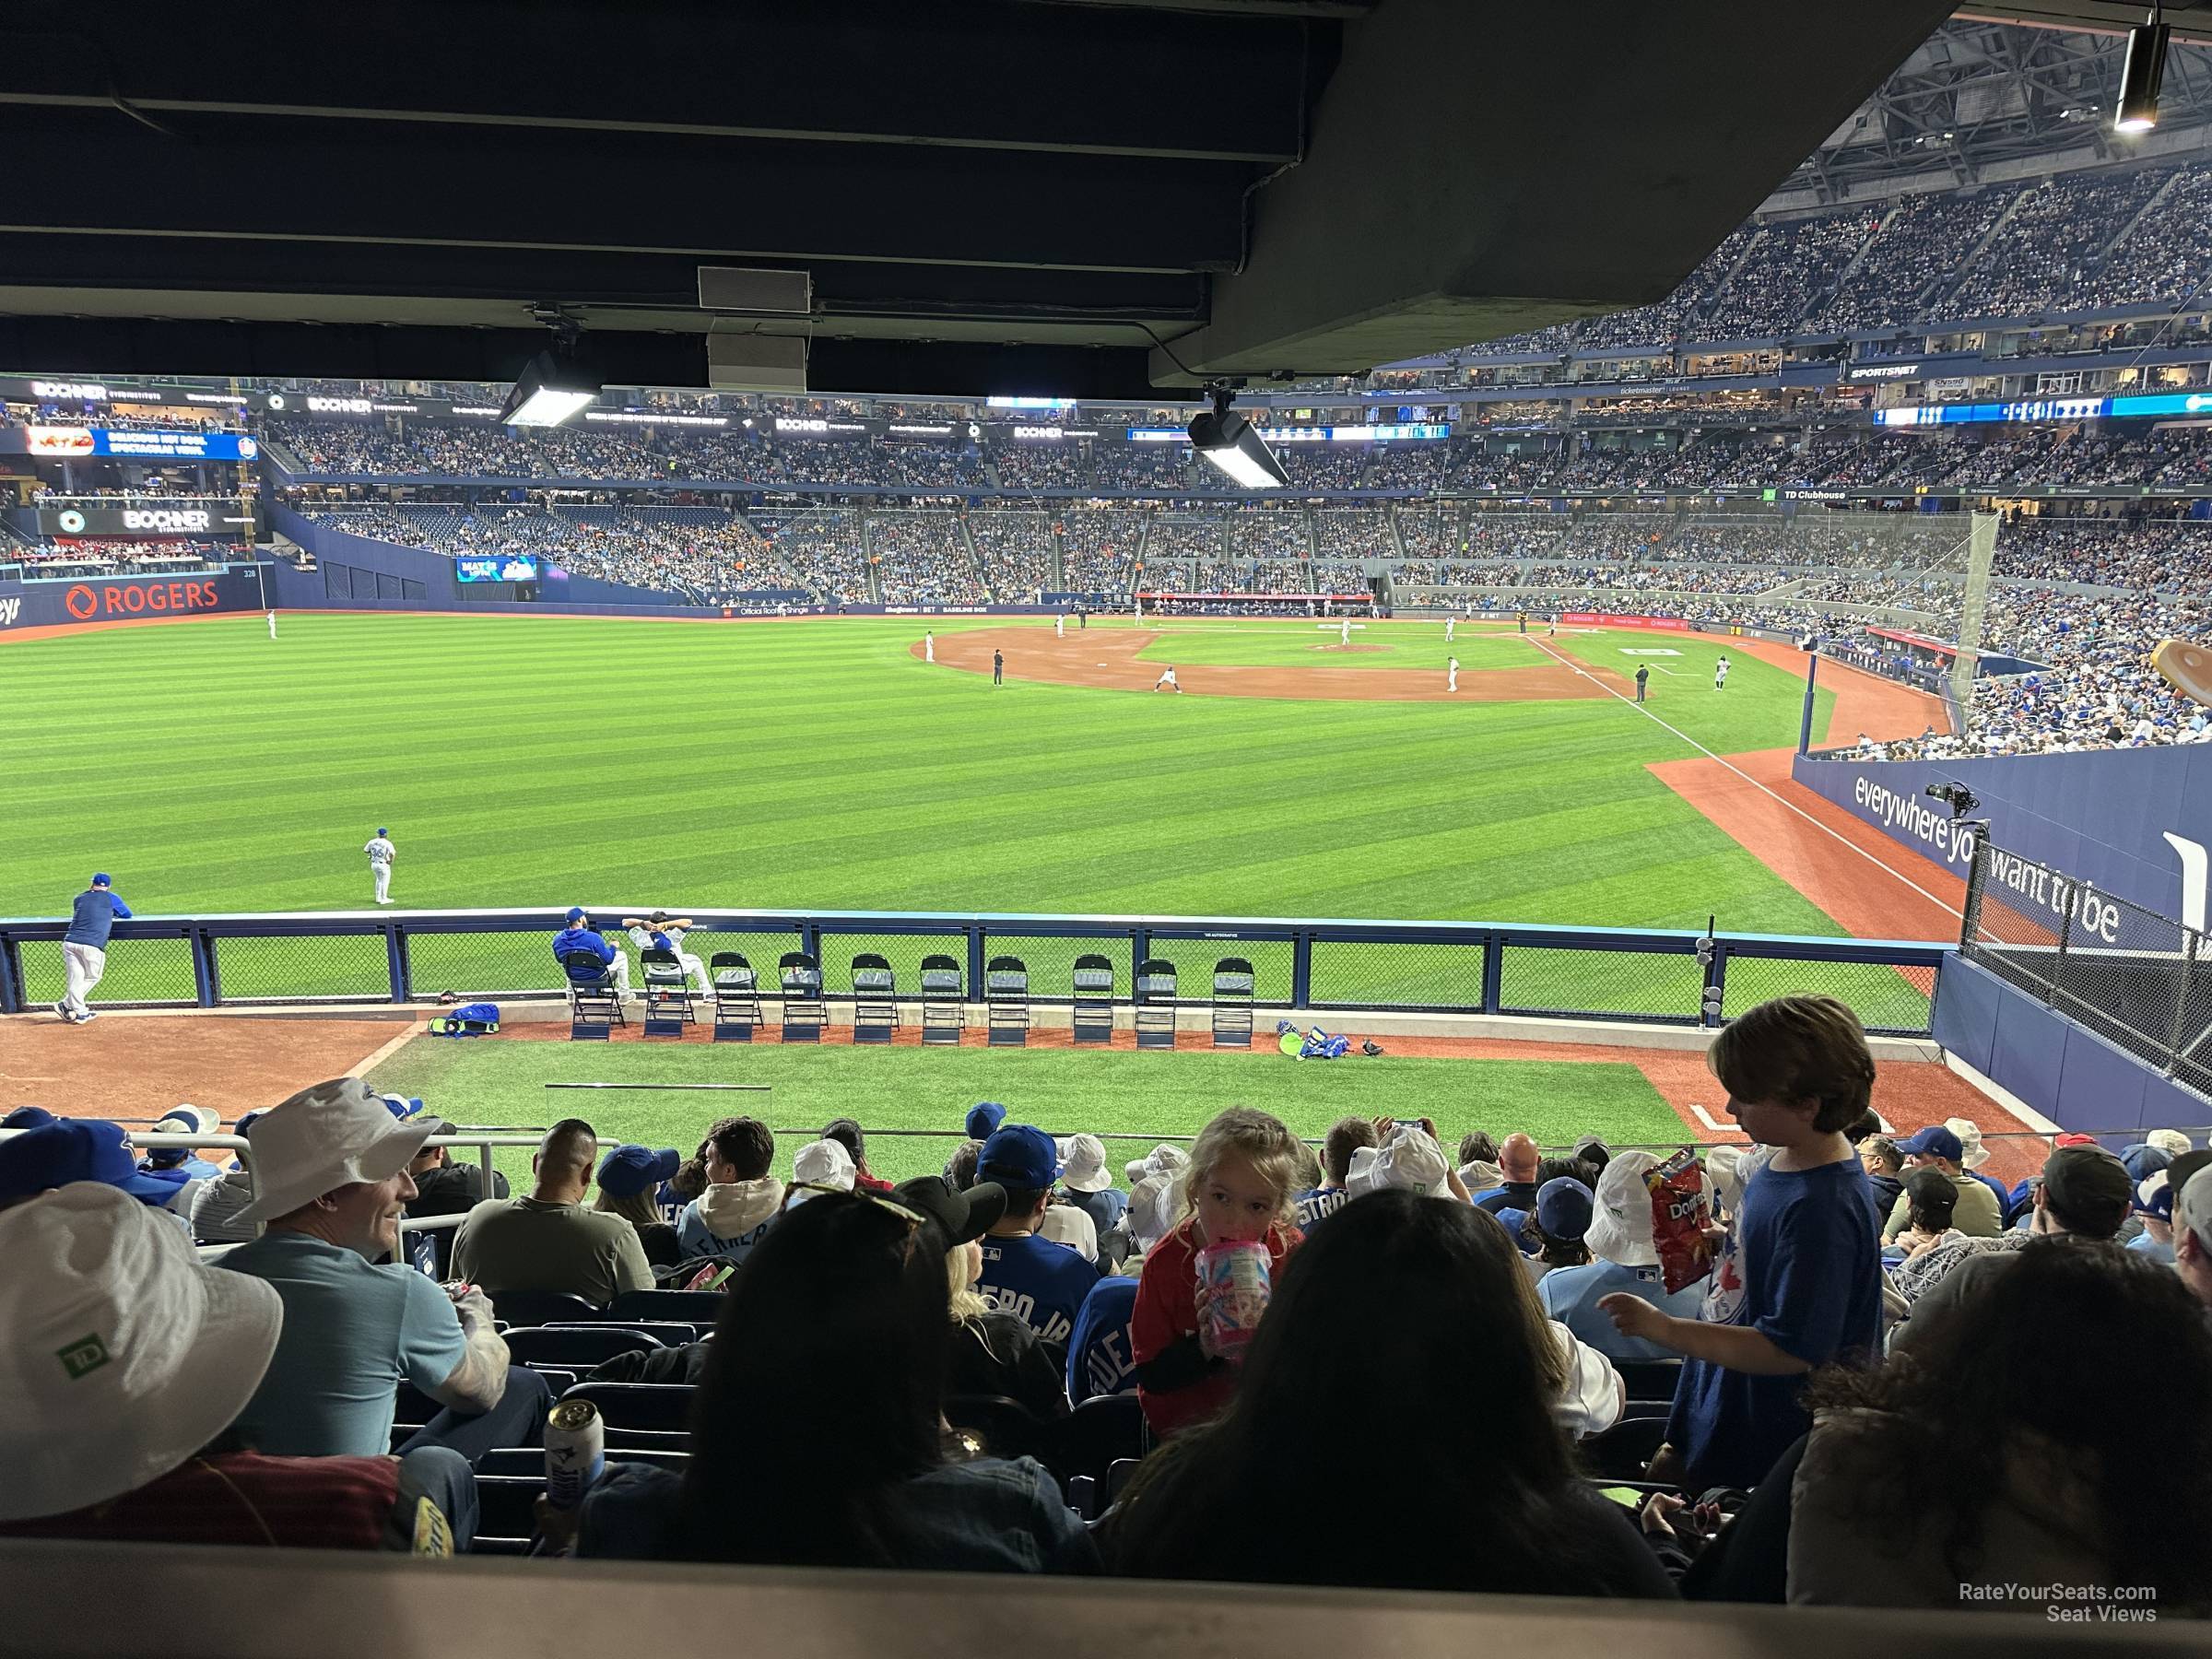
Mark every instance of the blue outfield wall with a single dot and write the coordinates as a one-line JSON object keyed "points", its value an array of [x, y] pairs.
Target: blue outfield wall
{"points": [[2056, 1065], [2102, 818]]}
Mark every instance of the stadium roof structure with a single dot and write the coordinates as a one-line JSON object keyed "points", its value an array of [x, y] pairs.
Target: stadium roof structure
{"points": [[1079, 197]]}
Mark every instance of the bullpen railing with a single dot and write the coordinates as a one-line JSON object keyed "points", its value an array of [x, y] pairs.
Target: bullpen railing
{"points": [[1646, 975]]}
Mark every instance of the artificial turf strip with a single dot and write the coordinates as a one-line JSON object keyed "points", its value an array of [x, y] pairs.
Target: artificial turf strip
{"points": [[540, 760], [1062, 1090]]}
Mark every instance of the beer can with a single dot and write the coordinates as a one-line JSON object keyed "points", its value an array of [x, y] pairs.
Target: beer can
{"points": [[575, 1452]]}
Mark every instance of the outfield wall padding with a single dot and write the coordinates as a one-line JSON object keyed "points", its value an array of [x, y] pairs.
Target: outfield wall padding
{"points": [[2101, 818], [96, 599], [2056, 1065]]}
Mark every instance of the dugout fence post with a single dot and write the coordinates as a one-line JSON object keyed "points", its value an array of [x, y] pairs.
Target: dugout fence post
{"points": [[1301, 969], [11, 976], [977, 942], [1140, 949], [1493, 973], [396, 958], [206, 980]]}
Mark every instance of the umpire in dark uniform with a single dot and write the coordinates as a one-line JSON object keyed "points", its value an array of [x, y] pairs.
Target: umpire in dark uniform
{"points": [[1643, 678], [998, 668]]}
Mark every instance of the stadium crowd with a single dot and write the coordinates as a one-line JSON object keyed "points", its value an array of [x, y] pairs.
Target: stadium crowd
{"points": [[1835, 1357]]}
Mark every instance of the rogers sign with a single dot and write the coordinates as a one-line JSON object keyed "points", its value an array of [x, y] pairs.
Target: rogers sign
{"points": [[88, 603]]}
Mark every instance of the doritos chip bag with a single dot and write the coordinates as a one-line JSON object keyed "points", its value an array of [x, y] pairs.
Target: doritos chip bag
{"points": [[1679, 1217]]}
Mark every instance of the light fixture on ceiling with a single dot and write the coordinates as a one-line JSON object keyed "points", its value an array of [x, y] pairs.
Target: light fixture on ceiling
{"points": [[2141, 72], [553, 388], [1234, 445]]}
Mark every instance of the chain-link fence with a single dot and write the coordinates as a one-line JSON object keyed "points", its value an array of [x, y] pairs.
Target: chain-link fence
{"points": [[1398, 973], [140, 973], [2139, 980], [1890, 1001]]}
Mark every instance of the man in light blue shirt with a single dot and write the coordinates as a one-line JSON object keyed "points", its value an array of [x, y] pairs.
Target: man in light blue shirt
{"points": [[332, 1166], [92, 914], [1623, 1258]]}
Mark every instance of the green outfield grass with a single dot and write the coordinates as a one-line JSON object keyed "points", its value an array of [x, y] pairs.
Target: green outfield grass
{"points": [[545, 761], [1062, 1090]]}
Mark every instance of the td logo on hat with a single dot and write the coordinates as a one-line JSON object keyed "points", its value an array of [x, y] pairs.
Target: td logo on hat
{"points": [[83, 1357]]}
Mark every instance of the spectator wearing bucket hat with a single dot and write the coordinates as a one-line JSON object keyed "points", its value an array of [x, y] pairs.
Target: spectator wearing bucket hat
{"points": [[2084, 1195], [1972, 1155], [1088, 1183], [1040, 1282], [124, 1362], [1979, 1213], [2154, 1204], [332, 1166], [1623, 1258], [216, 1204], [66, 1152], [547, 1240]]}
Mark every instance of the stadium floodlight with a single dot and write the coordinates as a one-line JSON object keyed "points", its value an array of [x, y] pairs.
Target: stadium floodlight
{"points": [[551, 391], [1234, 445], [2142, 73]]}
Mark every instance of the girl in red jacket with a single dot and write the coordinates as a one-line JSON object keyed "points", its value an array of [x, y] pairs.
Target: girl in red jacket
{"points": [[1240, 1184]]}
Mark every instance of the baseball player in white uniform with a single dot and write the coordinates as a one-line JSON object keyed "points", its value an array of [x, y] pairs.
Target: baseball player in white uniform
{"points": [[1344, 634], [381, 854], [1451, 674], [1167, 682], [1719, 673], [272, 625], [1450, 623], [660, 932], [1060, 627]]}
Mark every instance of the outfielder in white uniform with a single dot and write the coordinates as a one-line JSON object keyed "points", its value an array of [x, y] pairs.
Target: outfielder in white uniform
{"points": [[272, 625], [1450, 623], [1719, 673], [1451, 674], [1060, 627], [1167, 682], [1344, 634], [381, 854], [659, 932], [929, 647]]}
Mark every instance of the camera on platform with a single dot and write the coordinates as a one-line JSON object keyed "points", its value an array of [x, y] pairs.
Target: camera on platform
{"points": [[1956, 797]]}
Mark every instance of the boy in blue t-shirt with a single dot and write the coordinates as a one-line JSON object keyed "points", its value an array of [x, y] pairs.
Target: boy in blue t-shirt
{"points": [[1100, 1356], [1798, 1283]]}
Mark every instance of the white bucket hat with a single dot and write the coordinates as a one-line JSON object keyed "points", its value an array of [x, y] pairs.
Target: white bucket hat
{"points": [[1065, 1224], [120, 1355], [1620, 1223], [1153, 1206], [1973, 1154], [325, 1137], [823, 1163], [1162, 1159], [1083, 1164], [1410, 1158]]}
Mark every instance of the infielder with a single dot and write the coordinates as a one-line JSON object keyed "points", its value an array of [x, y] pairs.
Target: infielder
{"points": [[929, 647], [85, 947], [1167, 682], [1719, 673], [1451, 674], [579, 935], [1344, 634], [657, 932], [381, 854], [1060, 627]]}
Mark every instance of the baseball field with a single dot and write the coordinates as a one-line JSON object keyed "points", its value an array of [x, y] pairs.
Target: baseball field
{"points": [[541, 761]]}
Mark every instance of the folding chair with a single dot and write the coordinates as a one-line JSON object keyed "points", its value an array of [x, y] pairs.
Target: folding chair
{"points": [[1156, 1004], [1234, 985], [944, 1003], [875, 999], [805, 1014], [1007, 1002], [594, 1005], [1093, 1013], [667, 993], [736, 996]]}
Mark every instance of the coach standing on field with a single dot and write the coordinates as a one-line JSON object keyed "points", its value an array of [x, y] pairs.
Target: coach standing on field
{"points": [[85, 947]]}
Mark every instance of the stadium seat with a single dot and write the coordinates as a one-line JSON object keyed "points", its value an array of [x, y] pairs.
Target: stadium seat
{"points": [[736, 996], [1622, 1451], [805, 1013], [1101, 1432], [1092, 1017], [541, 1307], [1007, 1001], [506, 1512], [1233, 986], [667, 1332], [1000, 1426], [1650, 1379], [667, 993], [531, 1460], [944, 1003], [698, 1308], [661, 1407], [580, 1347], [875, 999], [1156, 1004], [594, 1005]]}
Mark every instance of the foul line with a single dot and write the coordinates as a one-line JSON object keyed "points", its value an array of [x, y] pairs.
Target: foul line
{"points": [[1840, 839], [384, 1052]]}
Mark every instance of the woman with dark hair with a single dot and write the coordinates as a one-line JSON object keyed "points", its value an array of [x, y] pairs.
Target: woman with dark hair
{"points": [[818, 1434], [1417, 1307], [2009, 1446]]}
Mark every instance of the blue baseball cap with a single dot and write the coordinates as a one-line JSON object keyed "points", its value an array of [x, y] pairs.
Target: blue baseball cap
{"points": [[247, 1121], [575, 915], [181, 1122], [2143, 1161], [1934, 1141], [2154, 1195], [403, 1106], [74, 1149], [381, 830], [28, 1117], [630, 1170], [1018, 1156], [101, 879], [983, 1120], [1564, 1207]]}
